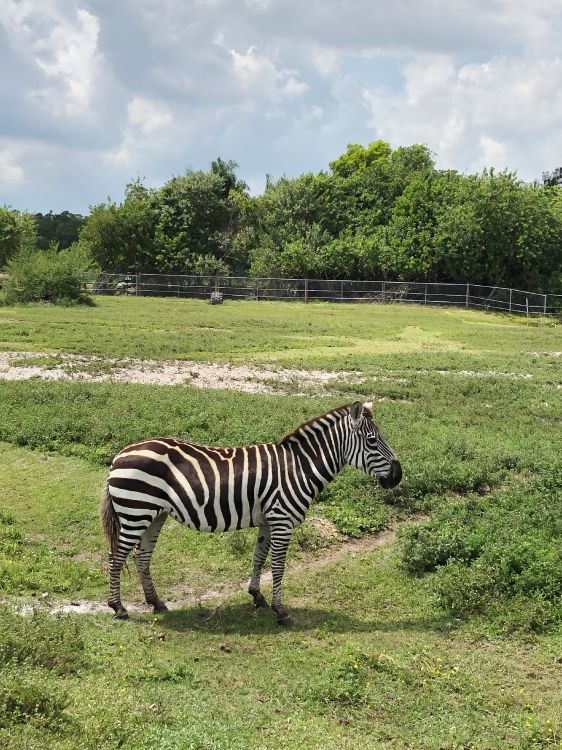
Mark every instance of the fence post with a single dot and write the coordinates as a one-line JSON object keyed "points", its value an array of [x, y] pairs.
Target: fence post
{"points": [[510, 292], [383, 292], [341, 291], [544, 305], [306, 290], [425, 295], [137, 281], [467, 293]]}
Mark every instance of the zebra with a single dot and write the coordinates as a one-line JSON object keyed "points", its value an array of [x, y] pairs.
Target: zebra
{"points": [[212, 489]]}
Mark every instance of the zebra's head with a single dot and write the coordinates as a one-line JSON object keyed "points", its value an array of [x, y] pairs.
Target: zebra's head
{"points": [[366, 449]]}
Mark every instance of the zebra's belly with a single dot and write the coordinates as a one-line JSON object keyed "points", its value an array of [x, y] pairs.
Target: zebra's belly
{"points": [[220, 528]]}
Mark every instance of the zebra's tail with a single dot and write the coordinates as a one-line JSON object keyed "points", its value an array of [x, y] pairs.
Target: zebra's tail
{"points": [[109, 520]]}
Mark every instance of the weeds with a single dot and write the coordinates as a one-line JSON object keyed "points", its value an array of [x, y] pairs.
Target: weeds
{"points": [[54, 642], [500, 555]]}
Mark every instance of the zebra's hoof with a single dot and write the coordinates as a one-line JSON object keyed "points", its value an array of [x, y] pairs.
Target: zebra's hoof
{"points": [[160, 607], [121, 615], [259, 601], [285, 620]]}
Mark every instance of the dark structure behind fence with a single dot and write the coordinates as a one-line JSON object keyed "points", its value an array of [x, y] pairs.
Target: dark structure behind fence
{"points": [[309, 290]]}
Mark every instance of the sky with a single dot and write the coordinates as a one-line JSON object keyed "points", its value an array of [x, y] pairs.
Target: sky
{"points": [[94, 94]]}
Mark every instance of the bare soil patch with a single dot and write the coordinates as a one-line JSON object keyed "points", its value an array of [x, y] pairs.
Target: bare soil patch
{"points": [[247, 378]]}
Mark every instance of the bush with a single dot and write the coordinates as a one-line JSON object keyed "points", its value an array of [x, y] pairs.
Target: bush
{"points": [[26, 696], [51, 275], [499, 556], [53, 642]]}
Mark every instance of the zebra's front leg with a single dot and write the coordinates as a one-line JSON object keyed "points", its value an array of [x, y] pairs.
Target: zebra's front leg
{"points": [[142, 561], [280, 538], [261, 550]]}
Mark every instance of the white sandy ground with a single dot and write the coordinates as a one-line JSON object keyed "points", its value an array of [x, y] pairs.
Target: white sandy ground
{"points": [[246, 378]]}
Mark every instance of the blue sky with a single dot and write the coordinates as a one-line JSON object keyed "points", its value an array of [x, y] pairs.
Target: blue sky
{"points": [[94, 94]]}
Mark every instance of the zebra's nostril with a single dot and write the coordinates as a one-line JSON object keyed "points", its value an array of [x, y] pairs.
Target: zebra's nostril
{"points": [[393, 477]]}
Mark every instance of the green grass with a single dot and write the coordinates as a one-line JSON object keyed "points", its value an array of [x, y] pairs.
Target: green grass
{"points": [[369, 664], [450, 638], [319, 334]]}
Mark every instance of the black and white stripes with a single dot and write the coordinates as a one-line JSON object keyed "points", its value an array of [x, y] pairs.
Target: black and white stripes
{"points": [[220, 489]]}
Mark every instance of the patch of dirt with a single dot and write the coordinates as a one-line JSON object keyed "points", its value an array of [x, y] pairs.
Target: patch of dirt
{"points": [[247, 378], [325, 529]]}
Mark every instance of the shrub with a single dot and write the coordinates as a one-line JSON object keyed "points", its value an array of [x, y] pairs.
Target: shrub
{"points": [[499, 556], [53, 642], [51, 275], [26, 696]]}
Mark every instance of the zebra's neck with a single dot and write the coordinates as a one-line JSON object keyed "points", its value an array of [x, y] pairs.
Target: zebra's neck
{"points": [[318, 446]]}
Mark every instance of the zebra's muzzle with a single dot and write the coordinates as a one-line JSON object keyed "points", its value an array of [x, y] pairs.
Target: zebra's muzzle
{"points": [[393, 477]]}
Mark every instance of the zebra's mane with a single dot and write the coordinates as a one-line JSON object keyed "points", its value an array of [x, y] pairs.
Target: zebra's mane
{"points": [[340, 411]]}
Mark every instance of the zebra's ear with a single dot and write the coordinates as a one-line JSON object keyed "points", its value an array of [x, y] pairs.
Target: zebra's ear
{"points": [[356, 412]]}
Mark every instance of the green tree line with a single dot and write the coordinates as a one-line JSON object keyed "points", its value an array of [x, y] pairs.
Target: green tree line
{"points": [[377, 213]]}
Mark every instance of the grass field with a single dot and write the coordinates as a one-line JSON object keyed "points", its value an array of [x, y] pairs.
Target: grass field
{"points": [[316, 335], [448, 637]]}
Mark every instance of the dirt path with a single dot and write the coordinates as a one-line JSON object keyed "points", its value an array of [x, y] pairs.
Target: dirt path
{"points": [[349, 547], [247, 378], [214, 375]]}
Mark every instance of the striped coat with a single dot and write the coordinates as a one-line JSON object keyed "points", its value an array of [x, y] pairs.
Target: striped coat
{"points": [[211, 489]]}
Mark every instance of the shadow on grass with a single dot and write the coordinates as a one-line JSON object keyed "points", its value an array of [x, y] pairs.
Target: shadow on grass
{"points": [[242, 619]]}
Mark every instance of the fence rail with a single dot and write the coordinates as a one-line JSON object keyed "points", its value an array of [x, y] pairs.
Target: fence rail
{"points": [[309, 290]]}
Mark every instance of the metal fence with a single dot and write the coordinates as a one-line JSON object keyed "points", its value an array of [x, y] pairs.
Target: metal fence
{"points": [[309, 290]]}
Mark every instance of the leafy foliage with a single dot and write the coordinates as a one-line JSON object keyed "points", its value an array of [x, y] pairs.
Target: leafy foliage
{"points": [[62, 228], [18, 231], [187, 226], [380, 213], [499, 555], [51, 275]]}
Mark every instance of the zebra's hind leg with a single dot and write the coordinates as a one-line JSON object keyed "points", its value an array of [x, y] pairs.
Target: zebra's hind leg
{"points": [[261, 550], [280, 538], [116, 562], [142, 560]]}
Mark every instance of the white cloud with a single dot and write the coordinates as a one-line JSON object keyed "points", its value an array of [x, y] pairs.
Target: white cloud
{"points": [[478, 114], [69, 55], [148, 116], [144, 119], [95, 93], [11, 173], [258, 73], [62, 43]]}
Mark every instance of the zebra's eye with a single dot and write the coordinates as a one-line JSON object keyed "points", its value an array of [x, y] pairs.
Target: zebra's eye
{"points": [[372, 441]]}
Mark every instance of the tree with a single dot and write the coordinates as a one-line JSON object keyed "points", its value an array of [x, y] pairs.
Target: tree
{"points": [[121, 237], [358, 158], [193, 218], [63, 228], [18, 230], [553, 178]]}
